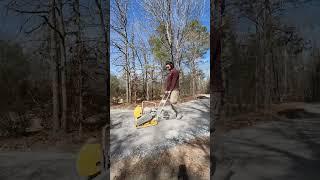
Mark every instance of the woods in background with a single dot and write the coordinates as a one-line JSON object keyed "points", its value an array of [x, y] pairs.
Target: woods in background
{"points": [[58, 63], [55, 68], [271, 62], [164, 31]]}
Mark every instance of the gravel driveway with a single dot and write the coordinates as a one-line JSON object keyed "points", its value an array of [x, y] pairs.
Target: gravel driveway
{"points": [[126, 140]]}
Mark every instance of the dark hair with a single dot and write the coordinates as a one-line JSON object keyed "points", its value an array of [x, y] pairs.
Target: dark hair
{"points": [[170, 63]]}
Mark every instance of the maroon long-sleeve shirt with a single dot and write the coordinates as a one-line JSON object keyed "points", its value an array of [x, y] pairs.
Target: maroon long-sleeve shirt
{"points": [[173, 80]]}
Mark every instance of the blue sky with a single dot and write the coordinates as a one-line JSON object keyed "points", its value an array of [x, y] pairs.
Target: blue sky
{"points": [[136, 12]]}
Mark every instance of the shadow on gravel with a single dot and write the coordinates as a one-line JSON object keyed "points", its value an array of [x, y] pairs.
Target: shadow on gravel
{"points": [[182, 173], [297, 113]]}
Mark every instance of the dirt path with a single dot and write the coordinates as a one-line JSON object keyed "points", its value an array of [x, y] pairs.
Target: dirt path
{"points": [[189, 160]]}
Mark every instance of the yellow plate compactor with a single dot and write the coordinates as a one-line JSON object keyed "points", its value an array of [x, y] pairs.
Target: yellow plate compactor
{"points": [[145, 119]]}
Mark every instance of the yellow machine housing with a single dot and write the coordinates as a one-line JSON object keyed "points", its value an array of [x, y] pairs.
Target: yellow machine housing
{"points": [[89, 159], [137, 113]]}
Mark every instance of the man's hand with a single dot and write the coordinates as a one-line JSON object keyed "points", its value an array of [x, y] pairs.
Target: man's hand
{"points": [[168, 92]]}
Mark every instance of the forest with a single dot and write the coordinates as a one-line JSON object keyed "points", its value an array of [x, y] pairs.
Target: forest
{"points": [[54, 65], [265, 59], [146, 34]]}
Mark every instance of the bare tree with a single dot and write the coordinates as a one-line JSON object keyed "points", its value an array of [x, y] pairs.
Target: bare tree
{"points": [[52, 24], [54, 70], [67, 40], [104, 26], [270, 35], [216, 83], [146, 69], [174, 15], [119, 25], [79, 56], [62, 32]]}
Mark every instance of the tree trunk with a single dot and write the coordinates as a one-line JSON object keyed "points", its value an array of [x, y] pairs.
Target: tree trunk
{"points": [[63, 68], [129, 99], [54, 71], [256, 85], [285, 92], [144, 84], [104, 25], [80, 62], [276, 80], [134, 82], [216, 85], [169, 30], [147, 90], [145, 79], [193, 78], [128, 88], [152, 82]]}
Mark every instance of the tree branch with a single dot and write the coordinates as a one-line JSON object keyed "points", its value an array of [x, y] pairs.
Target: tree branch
{"points": [[52, 27], [35, 28], [28, 12]]}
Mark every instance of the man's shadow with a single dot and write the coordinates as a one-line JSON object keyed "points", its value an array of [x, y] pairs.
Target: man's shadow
{"points": [[182, 174]]}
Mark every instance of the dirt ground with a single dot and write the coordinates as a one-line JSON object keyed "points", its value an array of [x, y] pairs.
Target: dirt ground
{"points": [[190, 160], [42, 141]]}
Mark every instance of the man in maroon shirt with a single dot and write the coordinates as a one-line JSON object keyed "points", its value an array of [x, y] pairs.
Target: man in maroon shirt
{"points": [[172, 87]]}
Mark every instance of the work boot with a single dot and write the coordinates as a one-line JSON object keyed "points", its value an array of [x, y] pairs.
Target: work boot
{"points": [[178, 117], [172, 116], [166, 115]]}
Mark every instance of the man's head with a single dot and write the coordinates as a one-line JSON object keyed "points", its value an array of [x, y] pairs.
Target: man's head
{"points": [[169, 65]]}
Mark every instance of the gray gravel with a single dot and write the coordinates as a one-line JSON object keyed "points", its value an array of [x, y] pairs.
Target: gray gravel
{"points": [[126, 140]]}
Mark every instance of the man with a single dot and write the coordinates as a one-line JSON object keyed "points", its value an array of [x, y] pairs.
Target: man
{"points": [[172, 87]]}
